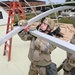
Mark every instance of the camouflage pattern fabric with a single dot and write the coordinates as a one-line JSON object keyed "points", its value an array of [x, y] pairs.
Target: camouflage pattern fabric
{"points": [[39, 53], [35, 70], [70, 63]]}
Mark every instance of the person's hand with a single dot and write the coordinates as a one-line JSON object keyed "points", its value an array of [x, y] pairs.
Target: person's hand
{"points": [[22, 22]]}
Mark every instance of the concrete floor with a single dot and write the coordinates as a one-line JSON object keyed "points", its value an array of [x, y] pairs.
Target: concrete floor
{"points": [[19, 64]]}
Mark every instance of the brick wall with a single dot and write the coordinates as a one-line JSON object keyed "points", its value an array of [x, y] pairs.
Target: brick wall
{"points": [[35, 3], [32, 3]]}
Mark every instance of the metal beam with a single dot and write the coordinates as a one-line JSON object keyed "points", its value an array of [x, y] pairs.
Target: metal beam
{"points": [[31, 21], [57, 42]]}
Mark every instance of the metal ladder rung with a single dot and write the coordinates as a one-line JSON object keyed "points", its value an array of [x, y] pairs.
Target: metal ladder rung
{"points": [[7, 44], [6, 51]]}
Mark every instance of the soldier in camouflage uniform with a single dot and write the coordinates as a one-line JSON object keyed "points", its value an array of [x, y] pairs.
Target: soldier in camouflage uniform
{"points": [[69, 64], [40, 50]]}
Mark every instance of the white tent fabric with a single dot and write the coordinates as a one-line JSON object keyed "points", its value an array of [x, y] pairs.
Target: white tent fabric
{"points": [[3, 21]]}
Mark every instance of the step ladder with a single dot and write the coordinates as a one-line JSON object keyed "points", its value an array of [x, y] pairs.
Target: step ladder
{"points": [[15, 7]]}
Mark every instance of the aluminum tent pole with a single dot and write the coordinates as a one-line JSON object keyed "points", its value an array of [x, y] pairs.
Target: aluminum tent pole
{"points": [[57, 42], [31, 21]]}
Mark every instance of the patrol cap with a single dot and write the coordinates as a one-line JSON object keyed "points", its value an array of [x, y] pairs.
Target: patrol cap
{"points": [[50, 22]]}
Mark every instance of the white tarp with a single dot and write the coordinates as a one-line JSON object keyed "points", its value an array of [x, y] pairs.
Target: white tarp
{"points": [[3, 21]]}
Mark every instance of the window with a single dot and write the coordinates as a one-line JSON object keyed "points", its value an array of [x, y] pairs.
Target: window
{"points": [[1, 16]]}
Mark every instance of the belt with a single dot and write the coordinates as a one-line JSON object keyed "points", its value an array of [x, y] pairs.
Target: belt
{"points": [[66, 71], [39, 66]]}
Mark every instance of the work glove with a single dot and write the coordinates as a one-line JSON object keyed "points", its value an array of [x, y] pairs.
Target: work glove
{"points": [[24, 34], [22, 22], [57, 33]]}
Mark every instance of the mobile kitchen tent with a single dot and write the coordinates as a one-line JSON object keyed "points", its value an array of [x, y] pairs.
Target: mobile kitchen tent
{"points": [[3, 16]]}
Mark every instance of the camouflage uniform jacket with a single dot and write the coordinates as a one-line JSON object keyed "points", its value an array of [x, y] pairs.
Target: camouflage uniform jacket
{"points": [[71, 57], [70, 62], [40, 50]]}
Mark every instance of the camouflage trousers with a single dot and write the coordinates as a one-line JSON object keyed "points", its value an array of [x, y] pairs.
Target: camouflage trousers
{"points": [[67, 73], [67, 68], [72, 72], [35, 70]]}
